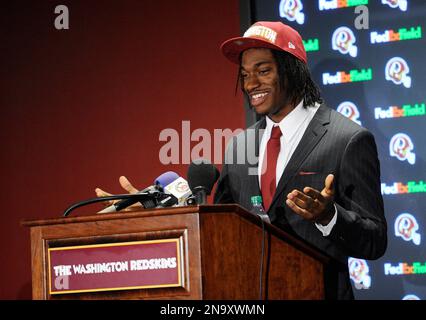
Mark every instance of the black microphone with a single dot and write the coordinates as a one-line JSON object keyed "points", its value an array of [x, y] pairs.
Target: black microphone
{"points": [[159, 184], [202, 176]]}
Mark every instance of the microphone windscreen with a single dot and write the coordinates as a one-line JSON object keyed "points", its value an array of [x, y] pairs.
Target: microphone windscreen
{"points": [[201, 173], [166, 178]]}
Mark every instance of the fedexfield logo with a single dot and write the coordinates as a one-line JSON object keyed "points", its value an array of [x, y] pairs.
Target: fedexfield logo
{"points": [[292, 10], [401, 4], [402, 188], [349, 110], [345, 77], [400, 35], [343, 40], [404, 268], [311, 44], [359, 273], [337, 4], [401, 147], [406, 110], [397, 70], [406, 227]]}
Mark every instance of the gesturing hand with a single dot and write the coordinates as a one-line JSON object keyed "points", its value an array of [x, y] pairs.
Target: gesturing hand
{"points": [[312, 204], [125, 184]]}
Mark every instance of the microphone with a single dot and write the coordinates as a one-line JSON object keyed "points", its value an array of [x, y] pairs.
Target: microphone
{"points": [[179, 188], [202, 176], [159, 184]]}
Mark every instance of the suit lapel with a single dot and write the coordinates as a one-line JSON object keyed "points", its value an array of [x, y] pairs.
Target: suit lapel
{"points": [[314, 133]]}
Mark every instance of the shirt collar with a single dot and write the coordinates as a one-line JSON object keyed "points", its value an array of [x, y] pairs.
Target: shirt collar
{"points": [[291, 122]]}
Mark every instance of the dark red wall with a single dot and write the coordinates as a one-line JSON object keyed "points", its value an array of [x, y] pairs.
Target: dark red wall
{"points": [[83, 106]]}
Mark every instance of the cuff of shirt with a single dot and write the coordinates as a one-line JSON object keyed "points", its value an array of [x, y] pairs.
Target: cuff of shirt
{"points": [[326, 230]]}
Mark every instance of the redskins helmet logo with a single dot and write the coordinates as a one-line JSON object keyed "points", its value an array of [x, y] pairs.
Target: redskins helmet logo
{"points": [[397, 71], [292, 10], [410, 297], [358, 271], [406, 227], [349, 110], [401, 4], [401, 147], [343, 40]]}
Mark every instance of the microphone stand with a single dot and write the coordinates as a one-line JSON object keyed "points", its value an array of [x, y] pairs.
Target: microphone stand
{"points": [[200, 195]]}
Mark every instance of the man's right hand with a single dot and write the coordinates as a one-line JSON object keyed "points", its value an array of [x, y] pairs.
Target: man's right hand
{"points": [[126, 185]]}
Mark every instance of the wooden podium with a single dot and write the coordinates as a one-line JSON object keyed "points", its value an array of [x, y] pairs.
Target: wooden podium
{"points": [[220, 247]]}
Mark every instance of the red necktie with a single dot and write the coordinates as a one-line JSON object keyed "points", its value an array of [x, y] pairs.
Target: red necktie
{"points": [[268, 179]]}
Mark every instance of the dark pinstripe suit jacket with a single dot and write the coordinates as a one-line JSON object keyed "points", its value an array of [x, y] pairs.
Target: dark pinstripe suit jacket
{"points": [[331, 144]]}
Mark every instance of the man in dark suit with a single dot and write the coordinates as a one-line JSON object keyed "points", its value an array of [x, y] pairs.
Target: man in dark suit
{"points": [[317, 171]]}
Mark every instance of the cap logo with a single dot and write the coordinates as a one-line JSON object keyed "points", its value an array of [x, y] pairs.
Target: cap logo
{"points": [[261, 32], [291, 45]]}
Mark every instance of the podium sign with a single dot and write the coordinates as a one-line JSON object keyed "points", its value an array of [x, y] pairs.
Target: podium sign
{"points": [[195, 252], [115, 266]]}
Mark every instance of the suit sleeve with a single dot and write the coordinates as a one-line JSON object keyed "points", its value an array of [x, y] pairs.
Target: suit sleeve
{"points": [[360, 229]]}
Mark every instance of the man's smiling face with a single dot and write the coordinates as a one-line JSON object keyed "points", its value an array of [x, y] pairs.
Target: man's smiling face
{"points": [[260, 81]]}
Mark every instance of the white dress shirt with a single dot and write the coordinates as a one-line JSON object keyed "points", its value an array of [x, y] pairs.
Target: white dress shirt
{"points": [[292, 127]]}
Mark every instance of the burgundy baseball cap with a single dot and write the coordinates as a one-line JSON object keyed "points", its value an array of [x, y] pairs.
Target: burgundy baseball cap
{"points": [[266, 34]]}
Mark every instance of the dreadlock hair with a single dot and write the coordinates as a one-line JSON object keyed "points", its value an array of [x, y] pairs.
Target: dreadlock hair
{"points": [[295, 80]]}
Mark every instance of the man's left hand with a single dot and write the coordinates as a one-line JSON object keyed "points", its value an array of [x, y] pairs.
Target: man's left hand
{"points": [[314, 205]]}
